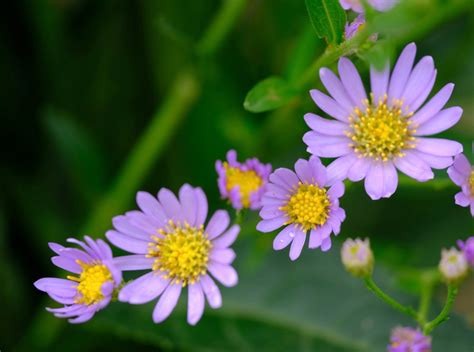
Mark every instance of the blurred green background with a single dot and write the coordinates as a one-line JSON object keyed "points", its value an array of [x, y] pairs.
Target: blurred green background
{"points": [[101, 99]]}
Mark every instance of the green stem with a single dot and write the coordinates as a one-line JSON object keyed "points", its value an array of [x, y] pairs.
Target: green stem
{"points": [[444, 315], [372, 286], [429, 280]]}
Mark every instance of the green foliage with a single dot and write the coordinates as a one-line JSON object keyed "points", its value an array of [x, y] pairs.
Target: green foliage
{"points": [[328, 19], [269, 94]]}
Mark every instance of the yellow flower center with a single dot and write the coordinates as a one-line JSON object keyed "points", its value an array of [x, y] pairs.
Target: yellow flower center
{"points": [[247, 181], [381, 132], [182, 253], [471, 182], [92, 277], [308, 207]]}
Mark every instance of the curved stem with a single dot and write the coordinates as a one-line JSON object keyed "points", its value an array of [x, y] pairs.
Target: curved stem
{"points": [[372, 286], [444, 315]]}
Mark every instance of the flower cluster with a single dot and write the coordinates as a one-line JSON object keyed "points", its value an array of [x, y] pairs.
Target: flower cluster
{"points": [[462, 174], [406, 339]]}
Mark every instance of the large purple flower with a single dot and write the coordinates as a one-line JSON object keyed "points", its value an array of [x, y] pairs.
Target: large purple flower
{"points": [[406, 339], [372, 138], [303, 203], [92, 289], [242, 183], [356, 5], [462, 174], [468, 250], [168, 237]]}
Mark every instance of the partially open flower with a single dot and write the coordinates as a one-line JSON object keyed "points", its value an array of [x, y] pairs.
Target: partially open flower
{"points": [[379, 5], [92, 287], [453, 266], [243, 184], [468, 250], [462, 174], [406, 339], [357, 257]]}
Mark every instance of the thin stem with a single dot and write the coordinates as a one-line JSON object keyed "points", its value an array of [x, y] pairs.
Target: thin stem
{"points": [[444, 315], [372, 286], [429, 280]]}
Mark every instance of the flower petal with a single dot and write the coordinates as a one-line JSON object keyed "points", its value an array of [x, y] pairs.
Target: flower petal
{"points": [[166, 303], [284, 238], [144, 289], [170, 204], [413, 166], [419, 79], [195, 303], [445, 119], [218, 223], [133, 262], [202, 206], [187, 198], [212, 292], [297, 245], [438, 146], [352, 83], [324, 126], [326, 146], [271, 224], [225, 274], [336, 89], [339, 168], [150, 206], [222, 255], [329, 105], [127, 243], [434, 106], [379, 82], [401, 72], [227, 238], [359, 170]]}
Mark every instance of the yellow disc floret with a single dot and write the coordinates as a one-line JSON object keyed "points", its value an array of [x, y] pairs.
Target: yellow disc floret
{"points": [[308, 207], [381, 132], [181, 252], [91, 279], [471, 182], [248, 182]]}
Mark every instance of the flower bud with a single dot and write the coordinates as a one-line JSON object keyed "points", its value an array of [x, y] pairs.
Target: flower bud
{"points": [[357, 257], [468, 250], [406, 339], [453, 266]]}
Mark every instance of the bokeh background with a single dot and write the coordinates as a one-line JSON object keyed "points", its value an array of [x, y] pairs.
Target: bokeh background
{"points": [[101, 99]]}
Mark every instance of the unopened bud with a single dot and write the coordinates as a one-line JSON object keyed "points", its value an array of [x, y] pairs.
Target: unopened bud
{"points": [[453, 266], [357, 257]]}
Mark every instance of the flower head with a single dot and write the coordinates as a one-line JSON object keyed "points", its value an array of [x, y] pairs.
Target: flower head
{"points": [[357, 257], [462, 174], [356, 5], [242, 183], [453, 266], [90, 288], [372, 138], [169, 238], [406, 339], [468, 250], [303, 203]]}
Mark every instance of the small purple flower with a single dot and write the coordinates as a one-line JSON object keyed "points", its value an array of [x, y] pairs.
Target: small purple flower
{"points": [[168, 237], [468, 250], [462, 174], [242, 183], [372, 138], [302, 203], [406, 339], [379, 5], [91, 290], [355, 26]]}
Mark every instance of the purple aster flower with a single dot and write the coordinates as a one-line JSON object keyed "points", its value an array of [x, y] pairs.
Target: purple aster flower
{"points": [[373, 138], [168, 237], [406, 339], [242, 183], [379, 5], [303, 203], [462, 174], [468, 250], [88, 292]]}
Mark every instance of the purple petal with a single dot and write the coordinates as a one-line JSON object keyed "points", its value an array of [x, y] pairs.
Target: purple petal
{"points": [[329, 105], [359, 170], [419, 79], [284, 238], [48, 283], [401, 72], [434, 161], [195, 303], [225, 274], [424, 94], [374, 181], [222, 255], [438, 146], [150, 206], [124, 225], [187, 198], [326, 146], [82, 318], [170, 204], [390, 179], [303, 171], [445, 119], [414, 166], [352, 83], [57, 248], [166, 303], [218, 223], [201, 206], [336, 191], [127, 243], [144, 289], [339, 168], [271, 211], [271, 224], [462, 199], [317, 236], [297, 245], [284, 177], [133, 262], [326, 245], [318, 171], [379, 82], [67, 264], [212, 292], [336, 89], [460, 170], [324, 126], [434, 106], [227, 238]]}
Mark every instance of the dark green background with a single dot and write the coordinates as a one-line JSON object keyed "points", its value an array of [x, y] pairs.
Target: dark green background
{"points": [[81, 80]]}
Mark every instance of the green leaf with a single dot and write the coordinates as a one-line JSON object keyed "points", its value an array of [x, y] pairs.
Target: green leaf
{"points": [[328, 19], [379, 54], [311, 304], [269, 94]]}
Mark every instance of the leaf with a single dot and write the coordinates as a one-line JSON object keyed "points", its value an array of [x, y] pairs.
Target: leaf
{"points": [[311, 304], [328, 19], [379, 54], [269, 94]]}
